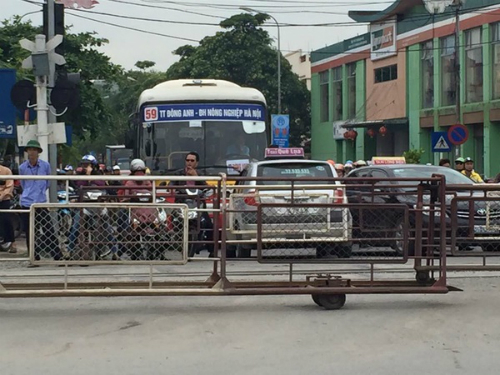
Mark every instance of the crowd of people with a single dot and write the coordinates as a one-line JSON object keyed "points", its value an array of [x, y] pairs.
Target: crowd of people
{"points": [[35, 191]]}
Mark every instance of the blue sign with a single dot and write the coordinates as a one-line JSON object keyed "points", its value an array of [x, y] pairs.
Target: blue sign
{"points": [[7, 109], [203, 112], [280, 130], [440, 142], [69, 135]]}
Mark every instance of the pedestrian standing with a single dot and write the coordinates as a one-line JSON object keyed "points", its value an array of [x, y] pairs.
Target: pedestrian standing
{"points": [[35, 191], [6, 228]]}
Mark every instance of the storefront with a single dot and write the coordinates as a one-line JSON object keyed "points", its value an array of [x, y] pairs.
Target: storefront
{"points": [[401, 77]]}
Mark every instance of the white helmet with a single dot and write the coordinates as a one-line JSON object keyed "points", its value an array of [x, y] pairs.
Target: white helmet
{"points": [[89, 159], [137, 165]]}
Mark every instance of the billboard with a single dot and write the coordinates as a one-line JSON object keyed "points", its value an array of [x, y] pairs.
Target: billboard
{"points": [[7, 109], [383, 39]]}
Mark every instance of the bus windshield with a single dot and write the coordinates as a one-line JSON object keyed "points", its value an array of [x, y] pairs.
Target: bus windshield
{"points": [[220, 144]]}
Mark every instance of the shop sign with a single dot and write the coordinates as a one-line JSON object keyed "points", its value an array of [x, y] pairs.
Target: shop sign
{"points": [[338, 130], [383, 39]]}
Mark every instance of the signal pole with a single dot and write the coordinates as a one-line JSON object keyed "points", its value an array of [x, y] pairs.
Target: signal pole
{"points": [[51, 81]]}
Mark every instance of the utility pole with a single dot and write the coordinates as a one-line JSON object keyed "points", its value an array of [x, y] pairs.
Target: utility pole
{"points": [[457, 4], [51, 81], [42, 107]]}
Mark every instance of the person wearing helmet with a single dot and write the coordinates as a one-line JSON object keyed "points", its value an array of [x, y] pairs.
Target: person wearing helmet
{"points": [[459, 164], [339, 168], [89, 167], [360, 163], [348, 166], [331, 162], [143, 219], [35, 191], [470, 172], [69, 170]]}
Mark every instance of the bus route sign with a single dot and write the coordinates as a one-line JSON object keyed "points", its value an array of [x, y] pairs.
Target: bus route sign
{"points": [[203, 112]]}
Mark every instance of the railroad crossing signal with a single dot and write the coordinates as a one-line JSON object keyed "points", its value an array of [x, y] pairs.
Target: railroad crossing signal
{"points": [[42, 54]]}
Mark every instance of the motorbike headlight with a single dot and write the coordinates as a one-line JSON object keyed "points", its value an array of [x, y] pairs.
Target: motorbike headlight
{"points": [[426, 210], [162, 216], [94, 195]]}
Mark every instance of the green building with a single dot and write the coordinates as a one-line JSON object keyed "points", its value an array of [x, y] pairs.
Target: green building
{"points": [[392, 87]]}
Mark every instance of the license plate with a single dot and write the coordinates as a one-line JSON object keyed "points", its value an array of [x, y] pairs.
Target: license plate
{"points": [[482, 229]]}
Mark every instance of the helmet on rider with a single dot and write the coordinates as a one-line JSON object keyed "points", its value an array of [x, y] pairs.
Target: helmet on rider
{"points": [[137, 165], [89, 159]]}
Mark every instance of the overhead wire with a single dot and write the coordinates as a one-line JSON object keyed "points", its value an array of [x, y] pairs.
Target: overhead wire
{"points": [[209, 24]]}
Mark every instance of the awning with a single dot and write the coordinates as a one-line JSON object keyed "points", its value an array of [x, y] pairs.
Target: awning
{"points": [[374, 123]]}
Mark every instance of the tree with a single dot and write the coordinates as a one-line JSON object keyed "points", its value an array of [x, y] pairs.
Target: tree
{"points": [[81, 54], [242, 54], [145, 64]]}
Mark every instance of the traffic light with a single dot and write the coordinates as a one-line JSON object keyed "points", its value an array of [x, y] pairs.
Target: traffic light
{"points": [[65, 93], [58, 24]]}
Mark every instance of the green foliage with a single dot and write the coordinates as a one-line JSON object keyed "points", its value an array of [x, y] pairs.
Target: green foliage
{"points": [[413, 156], [242, 54], [145, 64]]}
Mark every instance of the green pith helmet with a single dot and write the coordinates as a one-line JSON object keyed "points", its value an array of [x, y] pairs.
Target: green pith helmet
{"points": [[34, 144]]}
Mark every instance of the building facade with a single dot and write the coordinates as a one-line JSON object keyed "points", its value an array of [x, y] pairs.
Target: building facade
{"points": [[301, 65], [395, 85]]}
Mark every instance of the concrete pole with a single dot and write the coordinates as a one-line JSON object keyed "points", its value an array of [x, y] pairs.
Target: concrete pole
{"points": [[279, 63], [41, 103]]}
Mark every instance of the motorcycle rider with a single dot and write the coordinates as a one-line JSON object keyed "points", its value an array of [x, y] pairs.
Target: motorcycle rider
{"points": [[90, 167], [142, 219], [191, 163]]}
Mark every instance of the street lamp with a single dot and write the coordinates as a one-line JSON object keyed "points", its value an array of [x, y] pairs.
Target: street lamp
{"points": [[27, 14], [279, 51], [438, 7]]}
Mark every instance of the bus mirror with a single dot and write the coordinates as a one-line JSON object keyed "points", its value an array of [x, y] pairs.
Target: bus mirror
{"points": [[129, 138]]}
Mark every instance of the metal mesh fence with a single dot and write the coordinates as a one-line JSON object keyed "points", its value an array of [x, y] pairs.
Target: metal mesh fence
{"points": [[475, 224], [110, 232], [331, 233]]}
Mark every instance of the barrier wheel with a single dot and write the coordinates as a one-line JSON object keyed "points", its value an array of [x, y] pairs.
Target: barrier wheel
{"points": [[331, 301], [315, 298], [423, 277]]}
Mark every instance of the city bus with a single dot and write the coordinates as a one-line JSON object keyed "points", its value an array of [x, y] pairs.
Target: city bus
{"points": [[226, 124]]}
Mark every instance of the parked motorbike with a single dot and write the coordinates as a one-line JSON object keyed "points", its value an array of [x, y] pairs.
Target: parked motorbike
{"points": [[97, 227], [64, 214], [149, 229], [200, 226]]}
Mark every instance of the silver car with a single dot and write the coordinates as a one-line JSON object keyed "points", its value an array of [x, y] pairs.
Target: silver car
{"points": [[295, 221]]}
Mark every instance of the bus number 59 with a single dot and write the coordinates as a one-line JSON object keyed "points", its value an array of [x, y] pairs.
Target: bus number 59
{"points": [[151, 114]]}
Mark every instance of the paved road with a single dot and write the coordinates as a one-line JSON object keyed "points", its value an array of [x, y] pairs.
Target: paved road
{"points": [[457, 333]]}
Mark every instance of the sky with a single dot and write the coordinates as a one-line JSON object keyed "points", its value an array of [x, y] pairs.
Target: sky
{"points": [[182, 19]]}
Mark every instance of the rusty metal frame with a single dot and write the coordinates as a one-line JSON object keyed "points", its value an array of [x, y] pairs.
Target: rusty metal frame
{"points": [[219, 284]]}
